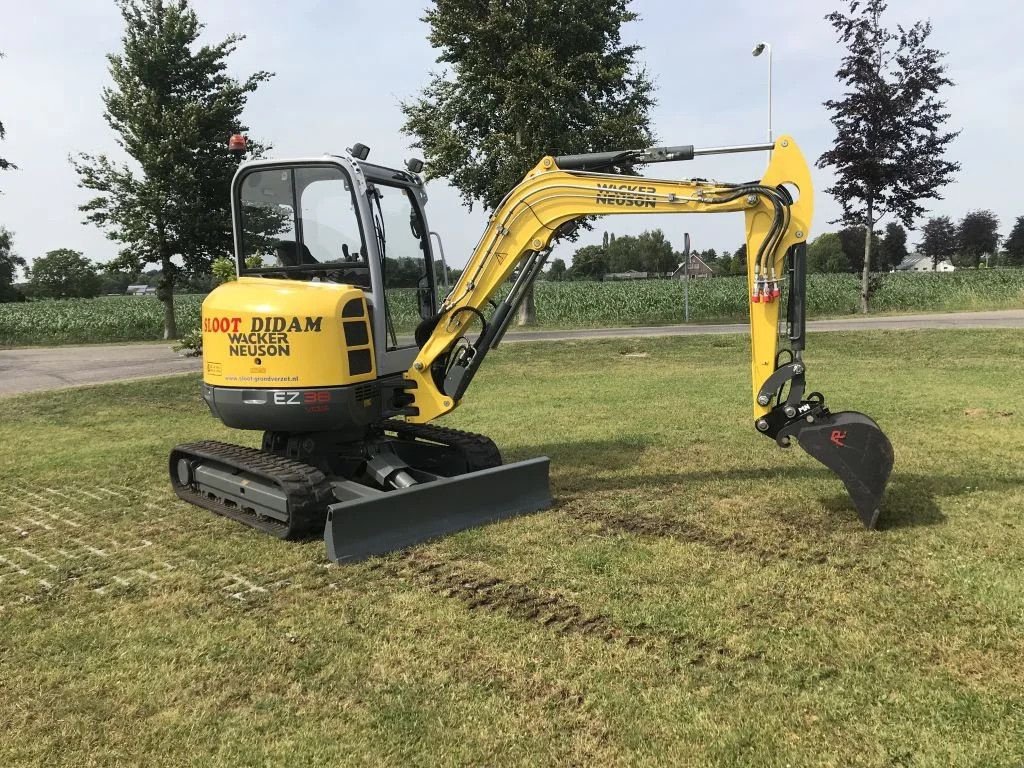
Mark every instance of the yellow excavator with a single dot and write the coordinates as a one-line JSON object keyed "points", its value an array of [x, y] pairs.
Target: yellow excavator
{"points": [[304, 347]]}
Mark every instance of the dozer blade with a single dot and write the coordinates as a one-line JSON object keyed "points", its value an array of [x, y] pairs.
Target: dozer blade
{"points": [[854, 447], [386, 521]]}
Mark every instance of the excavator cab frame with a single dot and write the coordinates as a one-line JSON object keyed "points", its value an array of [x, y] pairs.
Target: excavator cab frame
{"points": [[365, 261]]}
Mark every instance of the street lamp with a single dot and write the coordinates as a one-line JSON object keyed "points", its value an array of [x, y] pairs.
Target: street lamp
{"points": [[758, 50]]}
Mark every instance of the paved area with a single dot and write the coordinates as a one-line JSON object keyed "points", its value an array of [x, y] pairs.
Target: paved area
{"points": [[32, 370]]}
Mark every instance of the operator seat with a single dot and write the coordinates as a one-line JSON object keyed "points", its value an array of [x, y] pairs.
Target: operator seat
{"points": [[289, 255]]}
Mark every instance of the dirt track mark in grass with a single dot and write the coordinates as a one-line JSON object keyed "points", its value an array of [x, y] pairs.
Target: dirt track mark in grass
{"points": [[481, 592], [778, 550]]}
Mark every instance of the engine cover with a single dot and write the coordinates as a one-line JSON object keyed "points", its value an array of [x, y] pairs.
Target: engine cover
{"points": [[262, 333]]}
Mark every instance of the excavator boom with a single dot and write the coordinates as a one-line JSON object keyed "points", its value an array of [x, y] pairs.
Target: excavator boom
{"points": [[778, 209]]}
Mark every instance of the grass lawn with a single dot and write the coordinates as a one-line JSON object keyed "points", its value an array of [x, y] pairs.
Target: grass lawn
{"points": [[697, 596]]}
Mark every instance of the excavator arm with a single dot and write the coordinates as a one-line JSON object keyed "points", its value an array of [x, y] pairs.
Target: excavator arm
{"points": [[777, 209]]}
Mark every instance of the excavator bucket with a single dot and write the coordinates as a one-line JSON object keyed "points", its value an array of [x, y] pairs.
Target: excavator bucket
{"points": [[376, 522], [854, 447]]}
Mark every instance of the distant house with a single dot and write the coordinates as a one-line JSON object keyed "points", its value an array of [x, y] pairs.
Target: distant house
{"points": [[630, 275], [698, 268], [918, 263], [141, 290]]}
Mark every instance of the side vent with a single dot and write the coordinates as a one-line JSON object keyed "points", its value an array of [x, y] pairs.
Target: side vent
{"points": [[366, 391], [356, 333], [354, 308], [359, 362]]}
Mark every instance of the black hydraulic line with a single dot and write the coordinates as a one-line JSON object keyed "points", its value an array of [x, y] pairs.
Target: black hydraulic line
{"points": [[461, 373], [796, 310], [536, 264]]}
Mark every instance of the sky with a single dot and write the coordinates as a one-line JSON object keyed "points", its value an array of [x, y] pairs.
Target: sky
{"points": [[343, 67]]}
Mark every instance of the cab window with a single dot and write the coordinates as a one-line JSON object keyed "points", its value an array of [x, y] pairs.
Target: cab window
{"points": [[302, 221], [405, 263]]}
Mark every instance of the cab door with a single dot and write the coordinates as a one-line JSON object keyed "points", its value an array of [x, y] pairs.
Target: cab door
{"points": [[407, 293]]}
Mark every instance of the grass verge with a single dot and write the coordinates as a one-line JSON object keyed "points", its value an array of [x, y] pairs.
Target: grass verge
{"points": [[697, 596]]}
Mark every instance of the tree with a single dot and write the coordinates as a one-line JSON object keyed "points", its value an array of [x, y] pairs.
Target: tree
{"points": [[825, 254], [889, 145], [1013, 248], [4, 164], [738, 264], [525, 78], [892, 249], [64, 274], [10, 262], [977, 237], [172, 106], [656, 252], [723, 266], [938, 240], [589, 262], [854, 246], [557, 271]]}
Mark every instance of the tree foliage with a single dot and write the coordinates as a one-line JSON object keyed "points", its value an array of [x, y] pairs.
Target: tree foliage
{"points": [[589, 263], [522, 79], [172, 106], [557, 272], [10, 263], [888, 154], [738, 263], [1013, 248], [64, 274], [938, 240], [977, 236], [825, 254], [4, 164], [854, 246], [649, 251], [892, 249]]}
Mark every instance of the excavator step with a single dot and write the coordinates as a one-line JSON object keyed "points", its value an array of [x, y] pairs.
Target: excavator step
{"points": [[376, 522]]}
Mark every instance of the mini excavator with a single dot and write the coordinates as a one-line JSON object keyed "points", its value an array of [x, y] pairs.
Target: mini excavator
{"points": [[303, 346]]}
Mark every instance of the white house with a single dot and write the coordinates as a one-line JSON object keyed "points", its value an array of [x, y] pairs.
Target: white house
{"points": [[915, 262]]}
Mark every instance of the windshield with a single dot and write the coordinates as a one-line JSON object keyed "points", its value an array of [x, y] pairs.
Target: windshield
{"points": [[301, 220]]}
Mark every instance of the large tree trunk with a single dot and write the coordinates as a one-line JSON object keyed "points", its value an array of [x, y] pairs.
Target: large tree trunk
{"points": [[528, 310], [165, 292], [866, 274]]}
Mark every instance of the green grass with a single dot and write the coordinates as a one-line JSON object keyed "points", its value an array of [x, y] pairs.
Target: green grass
{"points": [[696, 597], [559, 305]]}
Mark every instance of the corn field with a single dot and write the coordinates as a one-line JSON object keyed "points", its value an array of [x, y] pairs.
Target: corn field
{"points": [[559, 305]]}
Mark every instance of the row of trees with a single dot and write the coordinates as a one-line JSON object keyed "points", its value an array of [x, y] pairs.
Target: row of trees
{"points": [[520, 79], [969, 243], [649, 252]]}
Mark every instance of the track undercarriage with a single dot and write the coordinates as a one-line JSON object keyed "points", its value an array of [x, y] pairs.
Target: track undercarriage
{"points": [[399, 485]]}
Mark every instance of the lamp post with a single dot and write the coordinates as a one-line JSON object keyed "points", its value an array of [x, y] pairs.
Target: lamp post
{"points": [[758, 50]]}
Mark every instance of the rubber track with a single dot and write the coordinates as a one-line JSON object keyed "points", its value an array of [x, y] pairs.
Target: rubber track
{"points": [[479, 450], [307, 488]]}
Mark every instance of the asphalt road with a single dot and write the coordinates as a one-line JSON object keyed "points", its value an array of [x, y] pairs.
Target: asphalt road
{"points": [[42, 368]]}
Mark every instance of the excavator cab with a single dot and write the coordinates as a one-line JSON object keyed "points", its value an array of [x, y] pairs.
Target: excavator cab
{"points": [[312, 345]]}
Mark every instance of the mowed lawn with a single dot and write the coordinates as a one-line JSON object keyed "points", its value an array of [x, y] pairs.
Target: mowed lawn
{"points": [[697, 596]]}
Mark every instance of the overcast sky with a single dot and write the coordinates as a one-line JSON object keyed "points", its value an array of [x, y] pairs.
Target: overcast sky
{"points": [[343, 67]]}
